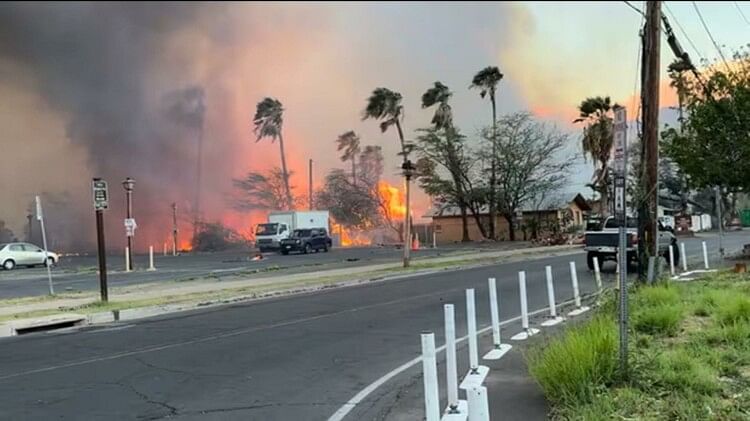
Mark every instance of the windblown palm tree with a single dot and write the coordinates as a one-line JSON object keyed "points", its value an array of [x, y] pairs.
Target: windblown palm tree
{"points": [[385, 105], [486, 81], [268, 121], [439, 95], [597, 142], [349, 143]]}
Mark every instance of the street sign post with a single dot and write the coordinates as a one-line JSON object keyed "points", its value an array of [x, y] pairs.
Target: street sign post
{"points": [[40, 218], [621, 161], [101, 203]]}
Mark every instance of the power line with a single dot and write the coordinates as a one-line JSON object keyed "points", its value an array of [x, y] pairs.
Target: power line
{"points": [[741, 13], [682, 30], [635, 8], [716, 45]]}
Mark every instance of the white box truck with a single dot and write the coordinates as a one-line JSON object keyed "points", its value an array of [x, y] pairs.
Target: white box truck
{"points": [[280, 225]]}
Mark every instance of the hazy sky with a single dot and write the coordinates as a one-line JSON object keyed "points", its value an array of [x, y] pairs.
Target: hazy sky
{"points": [[321, 60]]}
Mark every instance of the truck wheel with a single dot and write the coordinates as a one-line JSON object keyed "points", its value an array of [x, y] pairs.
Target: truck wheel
{"points": [[325, 248], [590, 260], [308, 248], [285, 252], [262, 249]]}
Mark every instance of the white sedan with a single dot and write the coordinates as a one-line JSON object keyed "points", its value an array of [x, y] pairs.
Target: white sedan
{"points": [[24, 254]]}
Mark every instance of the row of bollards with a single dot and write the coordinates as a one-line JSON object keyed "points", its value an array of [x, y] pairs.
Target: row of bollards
{"points": [[150, 259], [476, 405]]}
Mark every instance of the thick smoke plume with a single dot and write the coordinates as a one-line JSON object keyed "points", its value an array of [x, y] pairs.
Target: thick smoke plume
{"points": [[129, 103]]}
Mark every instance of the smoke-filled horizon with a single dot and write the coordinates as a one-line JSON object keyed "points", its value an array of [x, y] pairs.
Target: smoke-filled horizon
{"points": [[117, 90]]}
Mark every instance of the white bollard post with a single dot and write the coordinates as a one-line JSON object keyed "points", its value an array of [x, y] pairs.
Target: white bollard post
{"points": [[684, 257], [429, 368], [127, 259], [479, 408], [705, 256], [499, 349], [471, 320], [174, 248], [151, 258], [524, 311], [671, 259], [576, 292], [434, 240], [165, 249], [450, 359], [476, 373], [553, 318], [597, 275]]}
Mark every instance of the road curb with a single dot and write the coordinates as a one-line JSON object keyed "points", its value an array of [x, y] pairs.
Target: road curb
{"points": [[131, 314]]}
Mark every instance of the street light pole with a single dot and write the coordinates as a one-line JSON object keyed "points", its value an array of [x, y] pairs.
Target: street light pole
{"points": [[408, 169], [128, 184], [174, 229]]}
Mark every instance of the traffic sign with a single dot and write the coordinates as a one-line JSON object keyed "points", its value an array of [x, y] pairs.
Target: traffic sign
{"points": [[39, 214], [101, 194], [130, 227]]}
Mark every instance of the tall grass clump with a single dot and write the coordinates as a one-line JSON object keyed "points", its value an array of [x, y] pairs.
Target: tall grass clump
{"points": [[663, 320], [571, 367]]}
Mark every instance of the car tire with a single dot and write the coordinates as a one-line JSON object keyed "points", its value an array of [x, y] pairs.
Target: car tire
{"points": [[262, 249], [308, 248], [285, 252], [325, 248], [590, 260], [9, 264]]}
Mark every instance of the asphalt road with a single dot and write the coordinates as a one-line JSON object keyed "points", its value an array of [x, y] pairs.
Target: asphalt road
{"points": [[294, 358], [80, 273]]}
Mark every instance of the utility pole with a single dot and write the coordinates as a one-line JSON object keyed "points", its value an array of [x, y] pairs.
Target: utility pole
{"points": [[720, 217], [174, 229], [101, 203], [310, 185], [648, 202]]}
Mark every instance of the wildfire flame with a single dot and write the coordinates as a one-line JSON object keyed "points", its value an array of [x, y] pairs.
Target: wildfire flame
{"points": [[394, 200]]}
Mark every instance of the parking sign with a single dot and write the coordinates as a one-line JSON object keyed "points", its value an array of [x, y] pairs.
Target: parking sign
{"points": [[101, 195]]}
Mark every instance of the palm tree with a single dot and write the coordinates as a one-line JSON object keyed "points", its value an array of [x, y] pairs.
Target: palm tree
{"points": [[385, 105], [598, 138], [486, 81], [268, 121], [349, 143], [439, 95]]}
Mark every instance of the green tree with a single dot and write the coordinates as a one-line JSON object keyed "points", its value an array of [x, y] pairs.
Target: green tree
{"points": [[268, 121], [598, 138], [445, 151], [349, 143], [486, 80]]}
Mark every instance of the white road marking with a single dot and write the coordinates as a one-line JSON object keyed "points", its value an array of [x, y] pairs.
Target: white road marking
{"points": [[359, 397]]}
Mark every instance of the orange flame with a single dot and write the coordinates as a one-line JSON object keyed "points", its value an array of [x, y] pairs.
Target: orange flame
{"points": [[394, 201], [350, 237]]}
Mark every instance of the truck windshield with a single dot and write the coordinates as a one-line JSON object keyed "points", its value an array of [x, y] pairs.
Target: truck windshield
{"points": [[612, 223], [300, 233], [266, 229]]}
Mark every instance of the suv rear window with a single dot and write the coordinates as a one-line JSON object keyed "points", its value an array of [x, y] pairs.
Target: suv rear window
{"points": [[612, 223]]}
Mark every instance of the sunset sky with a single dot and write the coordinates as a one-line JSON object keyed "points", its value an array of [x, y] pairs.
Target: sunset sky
{"points": [[321, 61]]}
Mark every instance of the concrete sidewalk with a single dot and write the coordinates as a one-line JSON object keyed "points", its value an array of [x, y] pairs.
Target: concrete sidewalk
{"points": [[271, 285], [512, 394]]}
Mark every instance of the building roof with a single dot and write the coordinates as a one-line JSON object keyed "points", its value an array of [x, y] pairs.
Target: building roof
{"points": [[546, 204]]}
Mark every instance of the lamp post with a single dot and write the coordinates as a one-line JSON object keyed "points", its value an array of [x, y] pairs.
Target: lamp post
{"points": [[408, 171], [128, 184]]}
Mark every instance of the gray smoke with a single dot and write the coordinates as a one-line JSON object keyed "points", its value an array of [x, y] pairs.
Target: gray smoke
{"points": [[102, 65]]}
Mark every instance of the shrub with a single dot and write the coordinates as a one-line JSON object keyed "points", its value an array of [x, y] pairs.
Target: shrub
{"points": [[569, 368], [733, 309], [664, 320]]}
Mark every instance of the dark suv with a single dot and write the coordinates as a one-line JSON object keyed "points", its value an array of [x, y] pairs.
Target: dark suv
{"points": [[306, 240]]}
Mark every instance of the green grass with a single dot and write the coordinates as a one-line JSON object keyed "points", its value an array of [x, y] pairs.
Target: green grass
{"points": [[658, 320], [689, 357], [571, 366]]}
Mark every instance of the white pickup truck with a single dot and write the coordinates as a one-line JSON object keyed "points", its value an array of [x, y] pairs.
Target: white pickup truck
{"points": [[603, 244]]}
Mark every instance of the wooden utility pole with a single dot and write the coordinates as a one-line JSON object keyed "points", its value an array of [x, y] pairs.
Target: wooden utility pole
{"points": [[649, 191]]}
